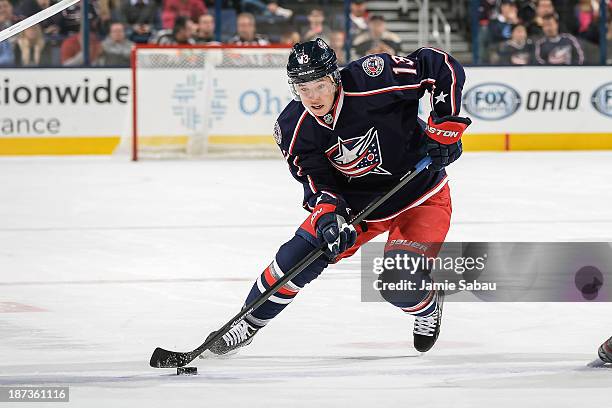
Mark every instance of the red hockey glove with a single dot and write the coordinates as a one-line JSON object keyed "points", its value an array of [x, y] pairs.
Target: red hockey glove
{"points": [[443, 143], [447, 129]]}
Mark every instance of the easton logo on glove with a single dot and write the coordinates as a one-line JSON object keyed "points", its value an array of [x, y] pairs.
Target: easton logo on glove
{"points": [[441, 132], [447, 129]]}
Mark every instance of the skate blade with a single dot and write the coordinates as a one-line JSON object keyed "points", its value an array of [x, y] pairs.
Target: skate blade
{"points": [[209, 355]]}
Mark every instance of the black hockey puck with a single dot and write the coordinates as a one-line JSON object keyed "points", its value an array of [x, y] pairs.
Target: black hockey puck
{"points": [[187, 371]]}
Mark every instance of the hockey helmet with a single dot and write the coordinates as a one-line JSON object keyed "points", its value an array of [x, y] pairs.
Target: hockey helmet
{"points": [[310, 61]]}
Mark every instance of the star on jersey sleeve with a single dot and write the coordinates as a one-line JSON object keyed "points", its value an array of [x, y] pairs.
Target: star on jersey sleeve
{"points": [[407, 77]]}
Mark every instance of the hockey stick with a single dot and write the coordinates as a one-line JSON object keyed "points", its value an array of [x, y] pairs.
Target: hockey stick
{"points": [[169, 359], [35, 19]]}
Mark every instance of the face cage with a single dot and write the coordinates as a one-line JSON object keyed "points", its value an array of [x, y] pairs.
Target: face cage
{"points": [[335, 77]]}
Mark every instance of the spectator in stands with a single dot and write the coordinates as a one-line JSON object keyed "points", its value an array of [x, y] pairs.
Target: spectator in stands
{"points": [[555, 48], [193, 28], [180, 34], [31, 49], [587, 16], [609, 37], [246, 31], [270, 9], [7, 57], [377, 40], [279, 12], [140, 16], [518, 50], [545, 8], [116, 48], [316, 27], [566, 15], [27, 8], [500, 29], [70, 21], [486, 13], [109, 11], [359, 17], [191, 9], [70, 18], [7, 18], [290, 37], [71, 53], [337, 41], [205, 31]]}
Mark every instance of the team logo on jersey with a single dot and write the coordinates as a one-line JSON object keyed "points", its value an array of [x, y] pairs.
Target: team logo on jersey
{"points": [[602, 99], [358, 156], [278, 135], [373, 66], [560, 55], [491, 101]]}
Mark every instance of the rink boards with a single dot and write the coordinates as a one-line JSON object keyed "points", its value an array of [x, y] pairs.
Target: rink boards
{"points": [[89, 111]]}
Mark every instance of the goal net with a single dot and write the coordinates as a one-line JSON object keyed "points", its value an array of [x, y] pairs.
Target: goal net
{"points": [[197, 101]]}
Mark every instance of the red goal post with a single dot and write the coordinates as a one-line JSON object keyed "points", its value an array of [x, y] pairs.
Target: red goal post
{"points": [[192, 101]]}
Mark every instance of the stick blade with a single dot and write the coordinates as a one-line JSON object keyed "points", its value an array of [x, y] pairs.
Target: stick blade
{"points": [[162, 358]]}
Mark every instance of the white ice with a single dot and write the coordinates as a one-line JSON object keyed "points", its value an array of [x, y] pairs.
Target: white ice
{"points": [[102, 260]]}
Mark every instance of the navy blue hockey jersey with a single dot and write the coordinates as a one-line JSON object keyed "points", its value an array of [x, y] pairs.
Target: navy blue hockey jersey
{"points": [[373, 136]]}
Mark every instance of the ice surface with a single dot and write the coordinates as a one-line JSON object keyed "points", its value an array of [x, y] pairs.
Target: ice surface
{"points": [[102, 260]]}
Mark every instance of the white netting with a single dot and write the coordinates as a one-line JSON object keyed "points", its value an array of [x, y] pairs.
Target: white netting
{"points": [[191, 102]]}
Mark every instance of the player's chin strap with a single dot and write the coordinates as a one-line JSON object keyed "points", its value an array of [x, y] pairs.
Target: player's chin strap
{"points": [[162, 358]]}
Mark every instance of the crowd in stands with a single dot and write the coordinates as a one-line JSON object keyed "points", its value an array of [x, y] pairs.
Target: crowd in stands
{"points": [[541, 32], [116, 25], [512, 31]]}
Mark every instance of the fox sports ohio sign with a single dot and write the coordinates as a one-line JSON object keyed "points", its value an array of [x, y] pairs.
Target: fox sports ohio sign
{"points": [[491, 101], [602, 99]]}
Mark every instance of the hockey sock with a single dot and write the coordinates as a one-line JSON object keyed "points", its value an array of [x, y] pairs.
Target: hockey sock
{"points": [[277, 302], [288, 255], [424, 308]]}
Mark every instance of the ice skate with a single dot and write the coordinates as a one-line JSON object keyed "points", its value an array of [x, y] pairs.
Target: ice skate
{"points": [[238, 336], [427, 329]]}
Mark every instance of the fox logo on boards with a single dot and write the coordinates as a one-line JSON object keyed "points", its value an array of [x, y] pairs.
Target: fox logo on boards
{"points": [[602, 99], [491, 101]]}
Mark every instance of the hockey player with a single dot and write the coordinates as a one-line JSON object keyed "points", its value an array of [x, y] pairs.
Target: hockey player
{"points": [[348, 137]]}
